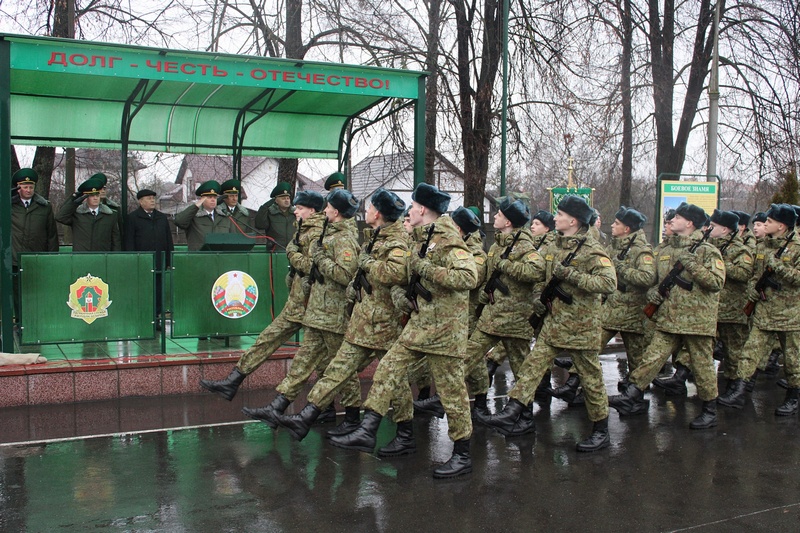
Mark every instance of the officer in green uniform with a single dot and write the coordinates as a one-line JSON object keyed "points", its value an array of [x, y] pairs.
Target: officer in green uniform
{"points": [[682, 318], [572, 325], [95, 226], [337, 180], [436, 329], [374, 326], [239, 215], [334, 262], [204, 216], [507, 305], [308, 207], [776, 308], [276, 216]]}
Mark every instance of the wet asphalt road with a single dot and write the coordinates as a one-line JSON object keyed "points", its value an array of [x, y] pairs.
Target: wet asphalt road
{"points": [[658, 475]]}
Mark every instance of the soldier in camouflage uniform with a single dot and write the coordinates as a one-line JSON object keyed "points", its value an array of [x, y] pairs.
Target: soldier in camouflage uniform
{"points": [[308, 205], [504, 318], [776, 310], [373, 328], [573, 327], [324, 321], [437, 330], [469, 226], [681, 319], [769, 363]]}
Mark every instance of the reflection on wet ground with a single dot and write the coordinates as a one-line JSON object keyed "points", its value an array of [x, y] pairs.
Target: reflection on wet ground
{"points": [[241, 476]]}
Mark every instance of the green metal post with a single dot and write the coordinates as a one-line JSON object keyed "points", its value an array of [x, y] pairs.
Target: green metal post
{"points": [[419, 134], [6, 282], [503, 126]]}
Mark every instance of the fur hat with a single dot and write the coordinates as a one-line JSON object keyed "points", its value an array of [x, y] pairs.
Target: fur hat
{"points": [[335, 181], [310, 199], [631, 217], [783, 213], [24, 176], [343, 201], [515, 211], [546, 218], [761, 216], [744, 218], [431, 197], [669, 215], [693, 213], [728, 219], [466, 219], [388, 204], [576, 207]]}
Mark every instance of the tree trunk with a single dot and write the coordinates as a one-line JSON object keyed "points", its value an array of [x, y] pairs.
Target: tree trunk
{"points": [[627, 111], [432, 88], [287, 167]]}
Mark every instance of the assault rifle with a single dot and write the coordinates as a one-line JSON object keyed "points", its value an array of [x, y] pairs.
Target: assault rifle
{"points": [[315, 274], [674, 278], [360, 281], [767, 279], [292, 270], [621, 287], [553, 290], [494, 283], [415, 288]]}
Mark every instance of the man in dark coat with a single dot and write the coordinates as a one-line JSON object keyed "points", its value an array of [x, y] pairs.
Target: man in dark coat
{"points": [[95, 226], [147, 230]]}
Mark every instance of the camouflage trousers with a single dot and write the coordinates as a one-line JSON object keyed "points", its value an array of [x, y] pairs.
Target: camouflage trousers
{"points": [[585, 362], [269, 340], [760, 342], [419, 374], [635, 345], [448, 374], [477, 346], [317, 351], [698, 348], [349, 361], [776, 345], [498, 355]]}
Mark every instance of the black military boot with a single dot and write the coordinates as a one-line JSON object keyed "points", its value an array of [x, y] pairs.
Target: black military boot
{"points": [[579, 399], [623, 383], [480, 411], [782, 383], [424, 393], [735, 396], [364, 437], [750, 384], [268, 414], [491, 369], [402, 443], [630, 402], [773, 367], [568, 390], [598, 439], [227, 387], [460, 462], [352, 419], [515, 419], [707, 418], [789, 406], [676, 384], [431, 406], [542, 395], [299, 424], [328, 415]]}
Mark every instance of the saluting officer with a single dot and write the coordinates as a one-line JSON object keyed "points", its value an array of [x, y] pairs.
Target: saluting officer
{"points": [[203, 216], [95, 226]]}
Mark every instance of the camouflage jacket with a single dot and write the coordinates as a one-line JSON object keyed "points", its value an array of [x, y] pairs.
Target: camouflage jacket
{"points": [[690, 312], [636, 273], [376, 322], [577, 326], [327, 301], [780, 311], [750, 240], [440, 327], [474, 242], [508, 317], [299, 257], [540, 242], [738, 271]]}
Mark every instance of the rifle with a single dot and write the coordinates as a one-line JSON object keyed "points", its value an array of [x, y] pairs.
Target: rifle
{"points": [[415, 288], [494, 282], [724, 248], [553, 290], [315, 274], [360, 280], [767, 279], [674, 278], [292, 270], [621, 287]]}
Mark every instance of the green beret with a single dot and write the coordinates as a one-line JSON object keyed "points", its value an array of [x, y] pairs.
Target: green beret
{"points": [[24, 176], [335, 180], [281, 189], [101, 178], [90, 186], [209, 188], [231, 187]]}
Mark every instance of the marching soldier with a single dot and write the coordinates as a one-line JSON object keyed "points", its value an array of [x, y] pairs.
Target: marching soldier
{"points": [[580, 272], [682, 318], [95, 226], [775, 290], [443, 273], [334, 262], [745, 233], [203, 216]]}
